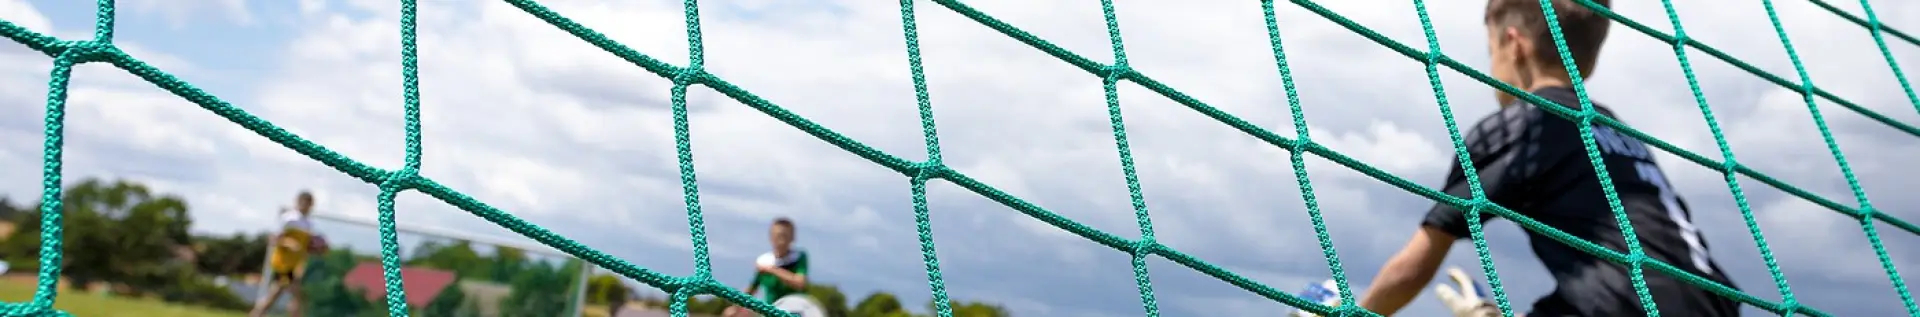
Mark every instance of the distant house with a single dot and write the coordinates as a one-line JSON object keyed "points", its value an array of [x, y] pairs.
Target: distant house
{"points": [[485, 295], [422, 284]]}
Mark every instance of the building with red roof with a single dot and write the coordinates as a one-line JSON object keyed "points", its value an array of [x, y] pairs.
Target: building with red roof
{"points": [[422, 284]]}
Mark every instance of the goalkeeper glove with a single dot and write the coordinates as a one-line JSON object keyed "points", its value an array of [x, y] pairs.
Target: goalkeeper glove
{"points": [[1469, 301]]}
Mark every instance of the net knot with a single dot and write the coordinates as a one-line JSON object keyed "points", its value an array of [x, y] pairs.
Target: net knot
{"points": [[1348, 310], [1788, 306], [402, 179], [1116, 72], [1479, 203], [87, 51], [929, 170], [689, 76], [1301, 145], [696, 285], [1143, 247], [1636, 258]]}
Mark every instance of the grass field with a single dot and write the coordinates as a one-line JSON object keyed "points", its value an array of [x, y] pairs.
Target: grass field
{"points": [[95, 305]]}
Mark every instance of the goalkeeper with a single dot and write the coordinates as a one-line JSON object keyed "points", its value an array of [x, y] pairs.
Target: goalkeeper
{"points": [[1536, 164]]}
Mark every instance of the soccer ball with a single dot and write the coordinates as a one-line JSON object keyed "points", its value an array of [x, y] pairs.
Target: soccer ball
{"points": [[800, 305], [766, 259]]}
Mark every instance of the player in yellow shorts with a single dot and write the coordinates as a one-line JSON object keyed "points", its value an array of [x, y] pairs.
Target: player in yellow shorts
{"points": [[288, 256]]}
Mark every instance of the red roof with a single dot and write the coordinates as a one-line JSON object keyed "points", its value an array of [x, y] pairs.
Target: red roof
{"points": [[422, 284]]}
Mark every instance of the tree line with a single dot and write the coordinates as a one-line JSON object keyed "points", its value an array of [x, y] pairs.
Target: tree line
{"points": [[534, 287], [608, 289], [134, 242]]}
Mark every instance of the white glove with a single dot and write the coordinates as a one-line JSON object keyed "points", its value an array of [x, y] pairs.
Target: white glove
{"points": [[1467, 302], [1325, 293]]}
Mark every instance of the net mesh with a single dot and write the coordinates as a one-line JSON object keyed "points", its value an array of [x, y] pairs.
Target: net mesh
{"points": [[100, 48], [447, 274]]}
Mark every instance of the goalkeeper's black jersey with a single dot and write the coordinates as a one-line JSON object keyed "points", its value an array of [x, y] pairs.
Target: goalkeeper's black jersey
{"points": [[1534, 163]]}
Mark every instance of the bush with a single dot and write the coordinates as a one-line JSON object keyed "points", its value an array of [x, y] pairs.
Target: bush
{"points": [[450, 302], [201, 292], [331, 297]]}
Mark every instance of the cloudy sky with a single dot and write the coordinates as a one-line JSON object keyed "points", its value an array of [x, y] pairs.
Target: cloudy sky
{"points": [[535, 122]]}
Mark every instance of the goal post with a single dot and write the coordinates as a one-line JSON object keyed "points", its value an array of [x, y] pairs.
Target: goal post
{"points": [[446, 273]]}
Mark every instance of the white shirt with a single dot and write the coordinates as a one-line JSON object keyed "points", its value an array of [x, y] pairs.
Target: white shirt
{"points": [[768, 258], [290, 219]]}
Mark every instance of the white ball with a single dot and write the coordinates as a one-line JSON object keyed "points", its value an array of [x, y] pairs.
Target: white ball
{"points": [[801, 305], [765, 260]]}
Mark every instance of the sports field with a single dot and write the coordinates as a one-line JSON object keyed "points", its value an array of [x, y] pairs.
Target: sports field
{"points": [[97, 305]]}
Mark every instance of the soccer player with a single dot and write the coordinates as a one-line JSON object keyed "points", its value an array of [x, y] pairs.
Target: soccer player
{"points": [[1534, 163], [779, 273], [288, 257]]}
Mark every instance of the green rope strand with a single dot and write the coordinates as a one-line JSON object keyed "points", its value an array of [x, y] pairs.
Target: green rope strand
{"points": [[694, 74], [1866, 23], [67, 54], [929, 170], [50, 198], [1728, 171], [1826, 134], [1636, 258], [1297, 157], [1110, 81], [400, 180], [1473, 213], [1875, 28]]}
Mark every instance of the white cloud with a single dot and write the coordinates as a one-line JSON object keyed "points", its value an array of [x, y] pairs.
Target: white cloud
{"points": [[177, 13], [542, 125], [23, 14]]}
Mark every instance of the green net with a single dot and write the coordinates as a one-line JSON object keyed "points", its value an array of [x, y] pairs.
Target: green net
{"points": [[448, 275], [390, 182]]}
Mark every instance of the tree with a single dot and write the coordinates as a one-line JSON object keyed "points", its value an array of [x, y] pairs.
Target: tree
{"points": [[179, 284], [10, 211], [878, 304], [331, 297], [327, 290], [829, 298], [448, 304], [458, 256], [604, 289], [974, 309], [111, 231], [235, 254], [534, 290], [706, 305]]}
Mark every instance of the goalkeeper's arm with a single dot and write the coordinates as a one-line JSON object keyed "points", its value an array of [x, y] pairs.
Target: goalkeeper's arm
{"points": [[1408, 272]]}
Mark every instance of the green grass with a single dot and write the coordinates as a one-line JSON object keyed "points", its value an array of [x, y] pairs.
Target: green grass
{"points": [[81, 304]]}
